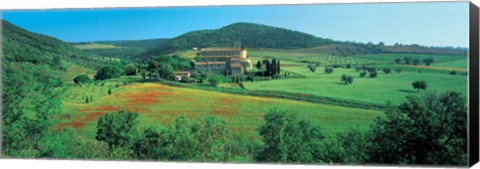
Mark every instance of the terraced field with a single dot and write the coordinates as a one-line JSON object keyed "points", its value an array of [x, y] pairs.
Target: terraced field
{"points": [[323, 59]]}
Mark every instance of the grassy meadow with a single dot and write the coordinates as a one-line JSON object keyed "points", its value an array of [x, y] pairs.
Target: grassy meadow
{"points": [[392, 87], [158, 103]]}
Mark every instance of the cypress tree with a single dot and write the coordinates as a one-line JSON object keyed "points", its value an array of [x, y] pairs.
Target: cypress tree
{"points": [[278, 67]]}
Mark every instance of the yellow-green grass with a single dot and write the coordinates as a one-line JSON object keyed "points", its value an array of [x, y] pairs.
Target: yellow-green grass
{"points": [[95, 46], [189, 54], [459, 63], [392, 87], [73, 71], [159, 105]]}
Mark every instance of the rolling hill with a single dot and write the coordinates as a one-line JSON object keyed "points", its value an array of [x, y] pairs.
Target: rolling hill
{"points": [[124, 49], [262, 36], [251, 35]]}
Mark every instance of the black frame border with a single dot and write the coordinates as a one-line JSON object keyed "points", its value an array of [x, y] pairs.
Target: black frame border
{"points": [[473, 135]]}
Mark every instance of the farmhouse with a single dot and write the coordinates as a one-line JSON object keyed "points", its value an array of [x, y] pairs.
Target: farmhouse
{"points": [[223, 60], [179, 75]]}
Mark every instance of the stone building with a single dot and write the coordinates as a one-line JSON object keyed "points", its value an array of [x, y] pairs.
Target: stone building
{"points": [[223, 60]]}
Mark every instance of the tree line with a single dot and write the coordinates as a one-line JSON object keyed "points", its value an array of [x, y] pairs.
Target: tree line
{"points": [[432, 131]]}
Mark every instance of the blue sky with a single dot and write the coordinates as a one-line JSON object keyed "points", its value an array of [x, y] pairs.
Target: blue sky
{"points": [[430, 24]]}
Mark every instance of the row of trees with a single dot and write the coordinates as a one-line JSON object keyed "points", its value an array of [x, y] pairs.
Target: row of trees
{"points": [[414, 61], [206, 139], [269, 67]]}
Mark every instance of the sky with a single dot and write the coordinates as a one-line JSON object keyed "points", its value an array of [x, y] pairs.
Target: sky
{"points": [[427, 23]]}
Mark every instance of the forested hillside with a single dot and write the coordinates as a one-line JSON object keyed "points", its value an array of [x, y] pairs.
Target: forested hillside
{"points": [[144, 44], [123, 49], [31, 65], [251, 36], [262, 36]]}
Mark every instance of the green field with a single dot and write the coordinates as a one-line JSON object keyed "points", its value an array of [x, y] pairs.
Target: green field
{"points": [[393, 87], [161, 104], [96, 46]]}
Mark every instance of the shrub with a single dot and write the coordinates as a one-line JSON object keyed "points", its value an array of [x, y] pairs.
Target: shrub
{"points": [[215, 80], [82, 79]]}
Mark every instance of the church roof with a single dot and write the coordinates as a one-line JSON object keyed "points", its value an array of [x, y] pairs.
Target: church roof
{"points": [[220, 49]]}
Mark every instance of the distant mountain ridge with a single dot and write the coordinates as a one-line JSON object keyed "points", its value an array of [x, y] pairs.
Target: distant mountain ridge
{"points": [[143, 44], [249, 34], [254, 35]]}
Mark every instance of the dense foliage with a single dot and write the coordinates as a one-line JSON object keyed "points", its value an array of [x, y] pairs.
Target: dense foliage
{"points": [[30, 64], [81, 79], [117, 129], [289, 140], [108, 72], [427, 130], [204, 140]]}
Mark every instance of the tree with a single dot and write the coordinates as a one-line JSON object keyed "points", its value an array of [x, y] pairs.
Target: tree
{"points": [[433, 130], [453, 72], [398, 70], [108, 72], [416, 61], [387, 70], [428, 61], [259, 65], [82, 79], [166, 71], [215, 80], [312, 67], [350, 147], [288, 139], [278, 67], [347, 79], [203, 140], [130, 70], [407, 60], [348, 66], [273, 68], [198, 57], [267, 72], [350, 79], [363, 74], [328, 70], [109, 91], [398, 60], [86, 99], [373, 74], [419, 85], [117, 129]]}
